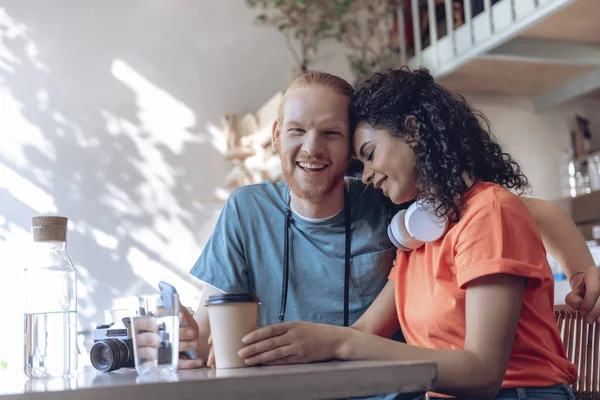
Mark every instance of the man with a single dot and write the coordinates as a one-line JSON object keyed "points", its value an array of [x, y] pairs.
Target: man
{"points": [[246, 252]]}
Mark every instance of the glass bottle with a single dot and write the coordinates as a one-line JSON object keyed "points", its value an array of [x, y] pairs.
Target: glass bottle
{"points": [[50, 302]]}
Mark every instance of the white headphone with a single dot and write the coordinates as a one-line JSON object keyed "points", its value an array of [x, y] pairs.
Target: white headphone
{"points": [[412, 228]]}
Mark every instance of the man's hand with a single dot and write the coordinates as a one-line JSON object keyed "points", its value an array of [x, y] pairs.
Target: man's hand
{"points": [[585, 293], [291, 343], [147, 340], [188, 340], [211, 354]]}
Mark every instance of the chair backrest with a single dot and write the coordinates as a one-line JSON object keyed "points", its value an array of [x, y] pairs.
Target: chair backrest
{"points": [[581, 345]]}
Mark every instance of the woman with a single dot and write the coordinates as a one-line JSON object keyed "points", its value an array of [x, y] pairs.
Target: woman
{"points": [[479, 300]]}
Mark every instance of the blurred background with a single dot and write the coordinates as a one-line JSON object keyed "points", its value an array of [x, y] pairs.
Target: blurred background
{"points": [[136, 119]]}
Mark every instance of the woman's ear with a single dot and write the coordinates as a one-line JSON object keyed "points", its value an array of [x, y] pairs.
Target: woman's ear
{"points": [[411, 130]]}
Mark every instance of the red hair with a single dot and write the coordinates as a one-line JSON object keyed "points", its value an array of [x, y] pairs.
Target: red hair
{"points": [[318, 79]]}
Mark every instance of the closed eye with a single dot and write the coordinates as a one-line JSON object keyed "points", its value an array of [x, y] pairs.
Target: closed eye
{"points": [[296, 130], [371, 155], [332, 133]]}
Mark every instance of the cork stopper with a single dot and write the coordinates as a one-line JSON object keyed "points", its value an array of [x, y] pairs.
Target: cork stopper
{"points": [[49, 229]]}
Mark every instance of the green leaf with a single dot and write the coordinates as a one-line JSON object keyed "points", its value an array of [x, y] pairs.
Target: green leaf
{"points": [[282, 27], [261, 17], [3, 365], [327, 26], [358, 66], [340, 7], [277, 3]]}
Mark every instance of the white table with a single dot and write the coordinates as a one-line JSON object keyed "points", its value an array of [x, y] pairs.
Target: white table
{"points": [[331, 380]]}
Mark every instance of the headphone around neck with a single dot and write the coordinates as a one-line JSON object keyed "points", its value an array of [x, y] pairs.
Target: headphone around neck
{"points": [[417, 225]]}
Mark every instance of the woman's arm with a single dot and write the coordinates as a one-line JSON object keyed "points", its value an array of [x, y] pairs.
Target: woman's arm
{"points": [[381, 318], [493, 305]]}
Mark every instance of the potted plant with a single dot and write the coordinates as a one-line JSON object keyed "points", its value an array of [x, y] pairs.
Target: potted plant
{"points": [[367, 30], [303, 23]]}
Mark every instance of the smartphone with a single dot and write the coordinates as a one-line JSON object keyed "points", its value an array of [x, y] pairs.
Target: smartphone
{"points": [[167, 288]]}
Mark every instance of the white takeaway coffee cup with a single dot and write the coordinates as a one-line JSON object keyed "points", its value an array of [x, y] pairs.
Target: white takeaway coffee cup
{"points": [[231, 317]]}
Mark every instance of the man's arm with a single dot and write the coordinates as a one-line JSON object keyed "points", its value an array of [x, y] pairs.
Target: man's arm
{"points": [[222, 267], [562, 239], [566, 244]]}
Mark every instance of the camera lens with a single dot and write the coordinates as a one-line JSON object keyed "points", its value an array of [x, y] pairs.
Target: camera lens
{"points": [[109, 355]]}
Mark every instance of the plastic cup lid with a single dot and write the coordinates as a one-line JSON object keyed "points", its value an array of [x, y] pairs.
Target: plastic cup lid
{"points": [[232, 298]]}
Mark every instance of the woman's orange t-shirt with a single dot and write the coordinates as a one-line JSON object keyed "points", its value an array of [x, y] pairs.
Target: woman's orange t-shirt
{"points": [[495, 234]]}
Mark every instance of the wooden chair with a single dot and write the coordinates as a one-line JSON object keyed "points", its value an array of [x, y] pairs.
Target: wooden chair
{"points": [[581, 343]]}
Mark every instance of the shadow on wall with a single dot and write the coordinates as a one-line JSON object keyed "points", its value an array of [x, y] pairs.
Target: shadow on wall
{"points": [[101, 123]]}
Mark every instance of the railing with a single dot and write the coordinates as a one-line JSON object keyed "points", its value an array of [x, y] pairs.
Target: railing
{"points": [[428, 38]]}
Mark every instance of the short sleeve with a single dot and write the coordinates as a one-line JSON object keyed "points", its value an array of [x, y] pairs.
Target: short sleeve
{"points": [[394, 272], [501, 237], [222, 263]]}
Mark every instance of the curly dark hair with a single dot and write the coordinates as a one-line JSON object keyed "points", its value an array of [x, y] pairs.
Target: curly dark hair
{"points": [[450, 140]]}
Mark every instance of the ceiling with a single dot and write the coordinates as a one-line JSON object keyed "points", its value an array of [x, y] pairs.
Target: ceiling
{"points": [[524, 75]]}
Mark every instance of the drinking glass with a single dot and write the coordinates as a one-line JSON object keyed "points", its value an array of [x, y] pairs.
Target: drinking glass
{"points": [[155, 324]]}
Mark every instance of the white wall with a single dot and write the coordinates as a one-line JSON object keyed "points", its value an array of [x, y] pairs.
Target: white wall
{"points": [[109, 114], [534, 139]]}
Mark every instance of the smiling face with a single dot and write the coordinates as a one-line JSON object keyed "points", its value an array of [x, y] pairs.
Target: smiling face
{"points": [[389, 162], [312, 139]]}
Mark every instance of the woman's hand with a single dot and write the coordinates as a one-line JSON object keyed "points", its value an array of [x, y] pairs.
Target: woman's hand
{"points": [[291, 343]]}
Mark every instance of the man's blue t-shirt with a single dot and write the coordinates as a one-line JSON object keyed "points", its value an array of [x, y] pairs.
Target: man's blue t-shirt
{"points": [[246, 254]]}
